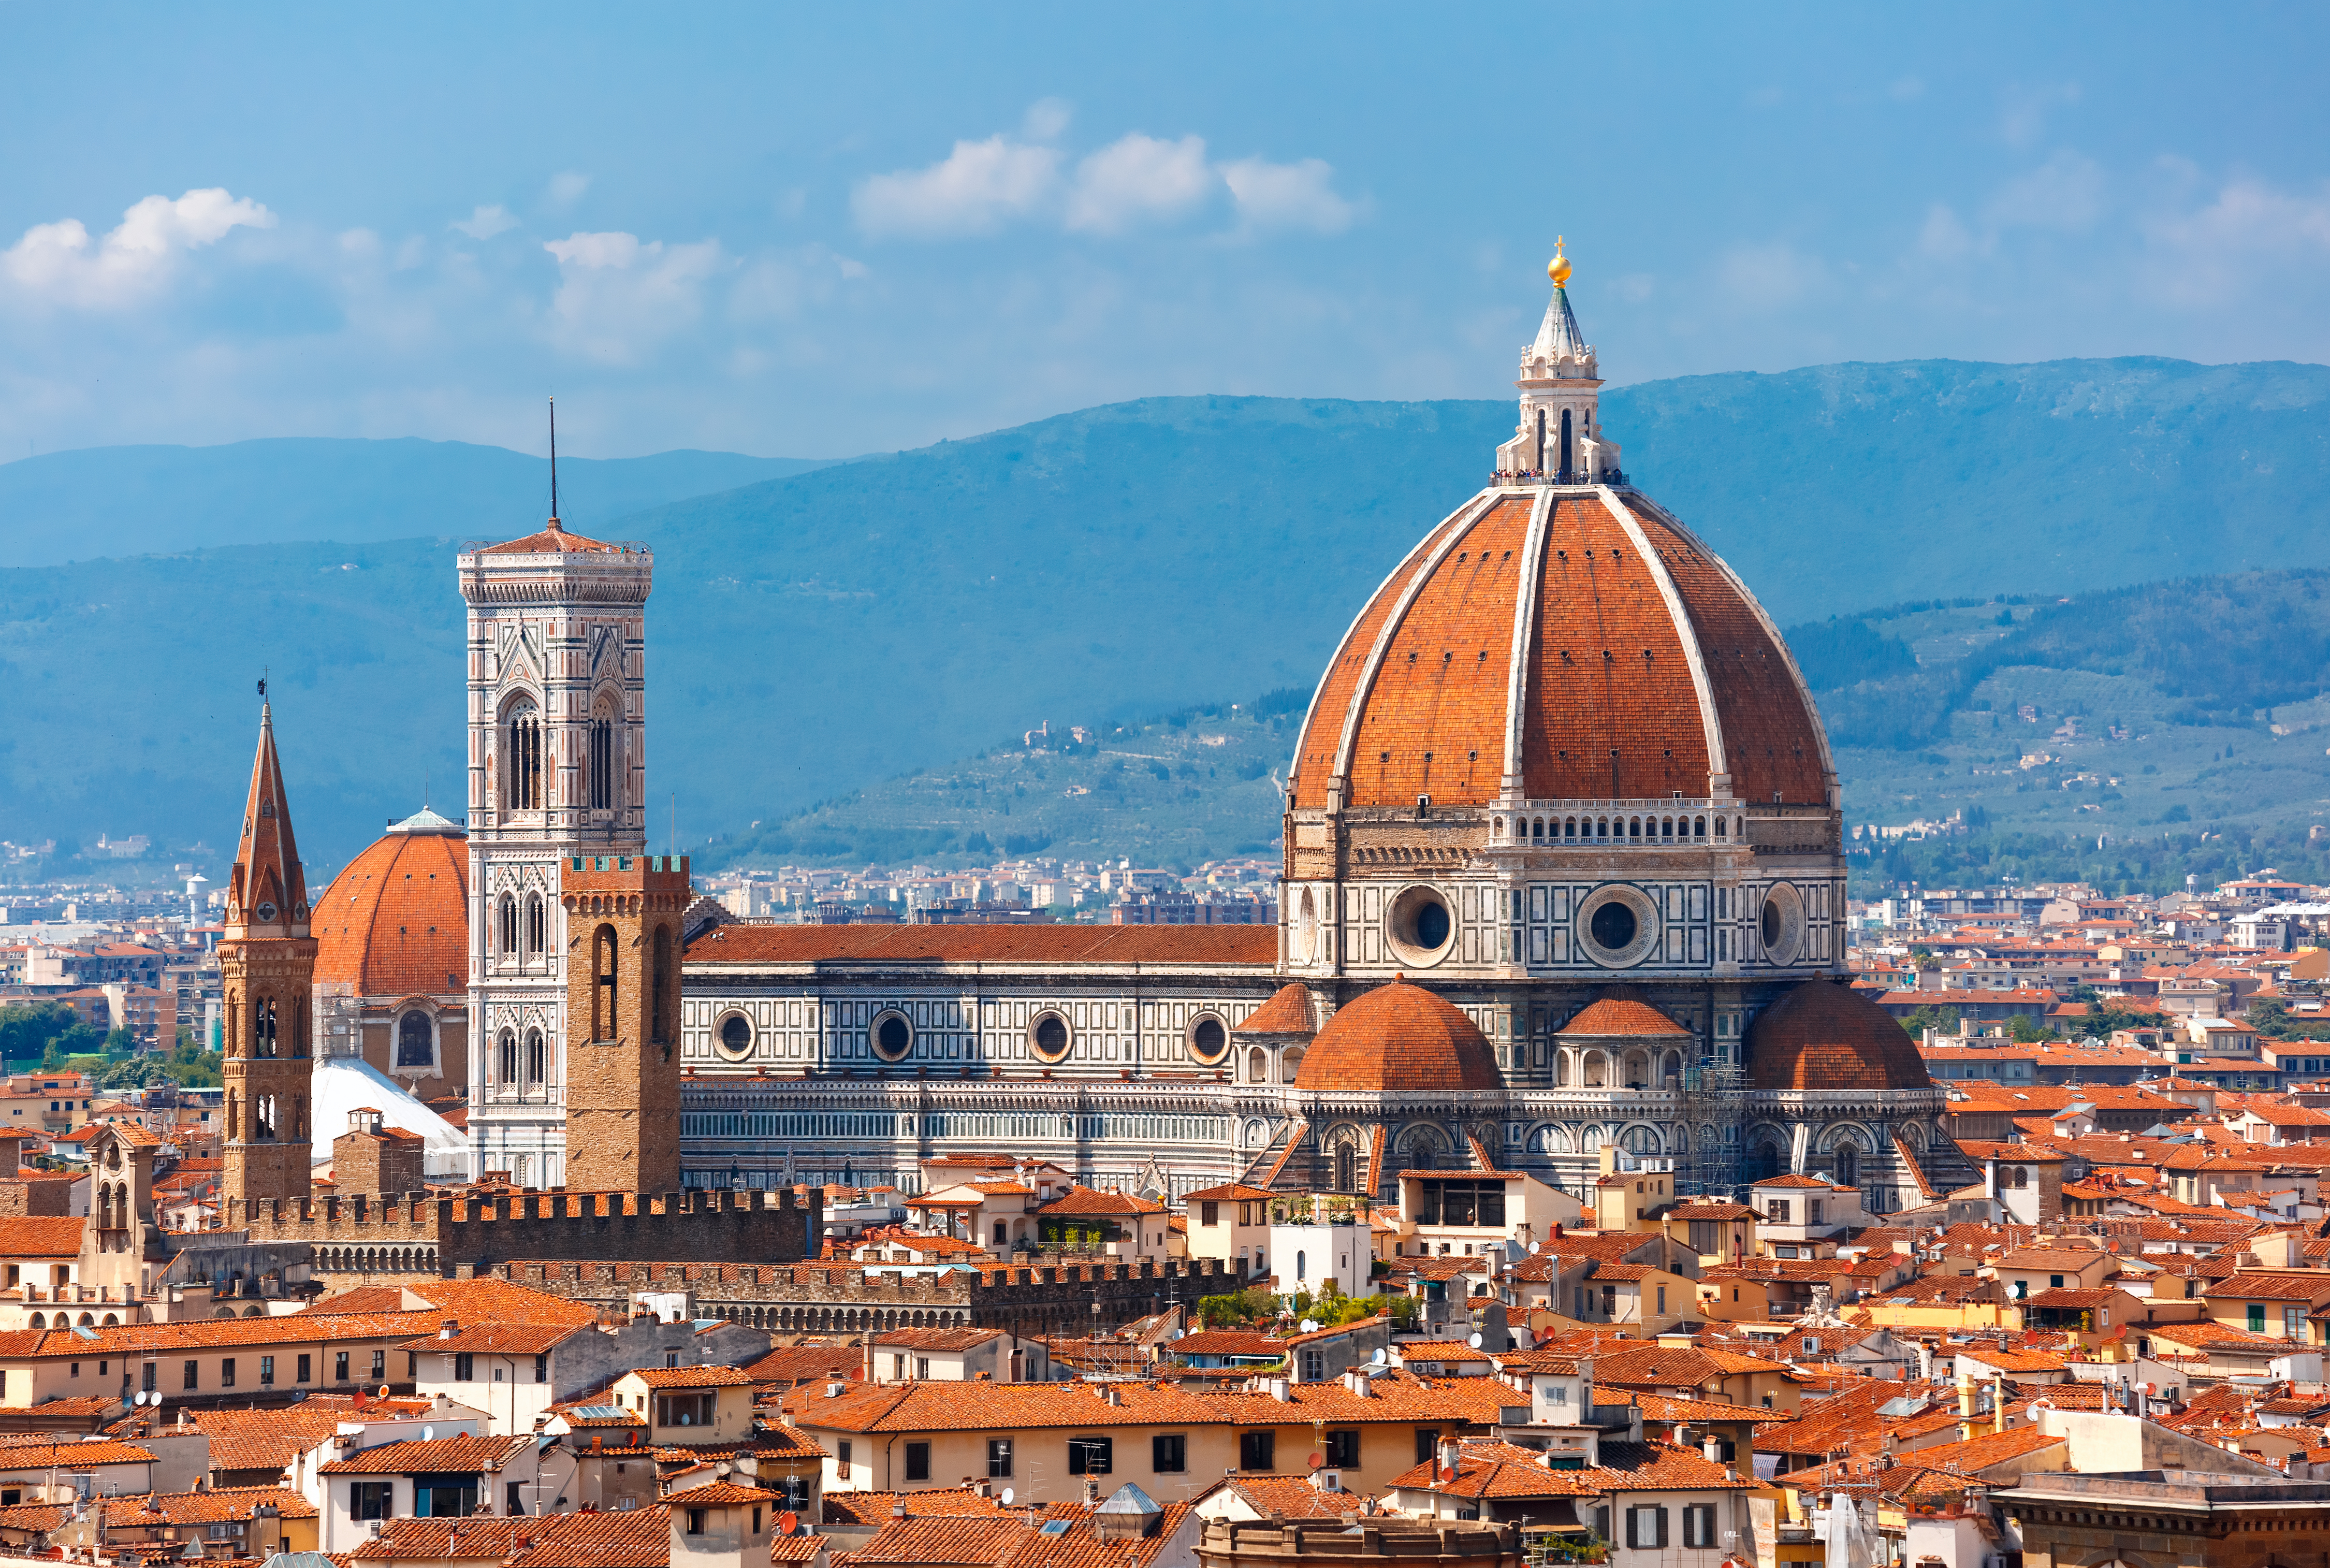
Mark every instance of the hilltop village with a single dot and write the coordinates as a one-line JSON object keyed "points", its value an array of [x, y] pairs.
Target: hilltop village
{"points": [[1551, 1164]]}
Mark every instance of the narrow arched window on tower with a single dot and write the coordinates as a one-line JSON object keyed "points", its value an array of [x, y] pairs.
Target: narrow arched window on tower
{"points": [[1568, 468], [262, 1027], [508, 1058], [536, 927], [525, 759], [602, 761], [660, 991], [538, 1065], [508, 909], [603, 989], [1539, 465]]}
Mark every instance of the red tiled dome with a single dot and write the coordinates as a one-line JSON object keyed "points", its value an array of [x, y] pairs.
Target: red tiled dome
{"points": [[1287, 1012], [1824, 1036], [1623, 1015], [1399, 1037], [1643, 666], [396, 921]]}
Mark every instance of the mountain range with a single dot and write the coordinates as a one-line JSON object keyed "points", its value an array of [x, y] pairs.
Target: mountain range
{"points": [[818, 631]]}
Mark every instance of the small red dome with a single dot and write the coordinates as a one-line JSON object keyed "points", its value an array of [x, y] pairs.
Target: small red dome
{"points": [[1399, 1038], [396, 921], [1824, 1036], [1616, 1015]]}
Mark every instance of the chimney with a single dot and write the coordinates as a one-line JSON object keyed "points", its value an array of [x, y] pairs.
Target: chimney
{"points": [[448, 1328], [1966, 1433], [1450, 1452], [1712, 1447]]}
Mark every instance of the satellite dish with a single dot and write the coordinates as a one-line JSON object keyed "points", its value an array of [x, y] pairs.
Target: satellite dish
{"points": [[1007, 1494], [1536, 1247], [787, 1523], [1306, 1327], [1381, 1355], [428, 1434], [1474, 1342], [1316, 1459]]}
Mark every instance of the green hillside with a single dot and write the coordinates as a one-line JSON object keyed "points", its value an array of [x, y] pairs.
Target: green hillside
{"points": [[816, 633]]}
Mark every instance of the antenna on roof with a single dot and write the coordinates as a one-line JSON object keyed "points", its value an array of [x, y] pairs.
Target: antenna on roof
{"points": [[554, 463]]}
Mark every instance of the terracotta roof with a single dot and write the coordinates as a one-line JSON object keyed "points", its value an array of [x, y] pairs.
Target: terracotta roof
{"points": [[1495, 1469], [1254, 947], [217, 1504], [1082, 1200], [22, 1453], [35, 1236], [1622, 1014], [499, 1339], [934, 1338], [1289, 1012], [1824, 1036], [629, 1538], [267, 872], [806, 1363], [395, 923], [690, 1376], [939, 1502], [418, 1455], [138, 1338], [1230, 1193], [553, 540], [973, 1407], [2275, 1287], [1399, 1038], [1429, 715]]}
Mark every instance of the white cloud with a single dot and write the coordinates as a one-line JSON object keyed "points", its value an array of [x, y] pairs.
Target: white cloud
{"points": [[2210, 255], [1297, 195], [58, 261], [619, 297], [1943, 237], [2022, 114], [978, 186], [1137, 178], [485, 223], [1634, 287], [1046, 118], [565, 188], [1906, 89], [2066, 193], [1771, 277]]}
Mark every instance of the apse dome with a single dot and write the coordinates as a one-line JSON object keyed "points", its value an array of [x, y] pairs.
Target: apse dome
{"points": [[1399, 1038], [1824, 1036]]}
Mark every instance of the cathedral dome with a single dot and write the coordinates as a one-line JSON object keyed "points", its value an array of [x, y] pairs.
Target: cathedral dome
{"points": [[1399, 1038], [1554, 644], [1560, 636], [1822, 1035], [395, 922]]}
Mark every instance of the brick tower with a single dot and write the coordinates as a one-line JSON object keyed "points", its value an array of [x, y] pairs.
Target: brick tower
{"points": [[623, 915], [267, 963]]}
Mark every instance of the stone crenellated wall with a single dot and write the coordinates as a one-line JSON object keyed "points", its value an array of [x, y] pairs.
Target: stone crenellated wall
{"points": [[1048, 1296], [434, 1236]]}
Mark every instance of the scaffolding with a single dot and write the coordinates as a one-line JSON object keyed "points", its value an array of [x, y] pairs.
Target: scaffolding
{"points": [[1711, 1104]]}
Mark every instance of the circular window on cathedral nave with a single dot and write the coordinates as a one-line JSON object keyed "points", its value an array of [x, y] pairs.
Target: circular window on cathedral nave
{"points": [[1618, 926], [1420, 926], [1782, 924], [891, 1036], [1049, 1036], [735, 1036], [1209, 1038]]}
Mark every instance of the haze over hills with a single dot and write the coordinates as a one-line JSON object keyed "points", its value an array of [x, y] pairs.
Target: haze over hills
{"points": [[132, 500], [819, 631]]}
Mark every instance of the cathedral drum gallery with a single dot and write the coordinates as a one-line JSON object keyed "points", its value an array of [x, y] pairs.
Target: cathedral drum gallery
{"points": [[1563, 874]]}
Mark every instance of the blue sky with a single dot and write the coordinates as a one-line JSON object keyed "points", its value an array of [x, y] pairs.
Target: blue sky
{"points": [[819, 232]]}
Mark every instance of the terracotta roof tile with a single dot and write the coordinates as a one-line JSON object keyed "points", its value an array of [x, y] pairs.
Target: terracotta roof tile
{"points": [[1399, 1038], [35, 1236], [394, 923], [1254, 946], [1289, 1012], [418, 1455], [1824, 1036], [1623, 1015]]}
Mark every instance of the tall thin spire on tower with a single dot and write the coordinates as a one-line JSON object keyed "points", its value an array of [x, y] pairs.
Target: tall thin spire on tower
{"points": [[554, 463]]}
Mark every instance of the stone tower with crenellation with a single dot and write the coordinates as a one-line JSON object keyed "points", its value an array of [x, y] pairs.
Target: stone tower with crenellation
{"points": [[267, 960], [624, 915]]}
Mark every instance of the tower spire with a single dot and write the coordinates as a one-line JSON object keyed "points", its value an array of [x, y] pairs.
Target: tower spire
{"points": [[554, 463], [267, 893]]}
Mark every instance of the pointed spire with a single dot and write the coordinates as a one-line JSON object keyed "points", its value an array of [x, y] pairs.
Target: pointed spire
{"points": [[554, 523], [267, 893]]}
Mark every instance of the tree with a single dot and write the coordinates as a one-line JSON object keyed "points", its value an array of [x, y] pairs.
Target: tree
{"points": [[2020, 1029], [1942, 1019]]}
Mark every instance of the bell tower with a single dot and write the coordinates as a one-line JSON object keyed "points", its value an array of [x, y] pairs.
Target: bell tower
{"points": [[623, 920], [267, 963], [557, 693]]}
